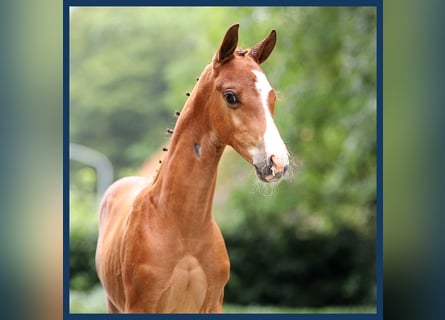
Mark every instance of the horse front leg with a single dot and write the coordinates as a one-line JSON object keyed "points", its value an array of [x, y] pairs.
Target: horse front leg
{"points": [[111, 308], [218, 307]]}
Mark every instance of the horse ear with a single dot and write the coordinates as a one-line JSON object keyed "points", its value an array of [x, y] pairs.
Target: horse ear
{"points": [[261, 51], [228, 45]]}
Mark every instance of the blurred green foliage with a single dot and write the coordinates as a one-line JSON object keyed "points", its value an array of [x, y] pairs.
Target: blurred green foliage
{"points": [[310, 241]]}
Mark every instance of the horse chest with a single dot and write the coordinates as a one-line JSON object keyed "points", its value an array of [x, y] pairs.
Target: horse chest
{"points": [[191, 276], [197, 264], [186, 288]]}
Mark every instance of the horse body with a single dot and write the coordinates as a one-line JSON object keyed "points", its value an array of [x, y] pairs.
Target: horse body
{"points": [[159, 249]]}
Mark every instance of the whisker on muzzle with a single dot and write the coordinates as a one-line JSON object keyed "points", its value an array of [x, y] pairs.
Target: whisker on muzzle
{"points": [[266, 189], [294, 165]]}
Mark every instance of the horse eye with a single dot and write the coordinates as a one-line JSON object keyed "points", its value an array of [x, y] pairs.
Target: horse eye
{"points": [[231, 98]]}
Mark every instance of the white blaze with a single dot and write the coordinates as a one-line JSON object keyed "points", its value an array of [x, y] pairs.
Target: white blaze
{"points": [[273, 144]]}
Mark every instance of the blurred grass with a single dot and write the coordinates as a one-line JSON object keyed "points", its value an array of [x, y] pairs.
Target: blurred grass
{"points": [[230, 308], [93, 301]]}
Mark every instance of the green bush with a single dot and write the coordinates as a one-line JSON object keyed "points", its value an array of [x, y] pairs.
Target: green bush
{"points": [[83, 228], [272, 264]]}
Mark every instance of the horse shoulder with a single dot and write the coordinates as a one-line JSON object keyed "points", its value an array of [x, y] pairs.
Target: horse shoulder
{"points": [[116, 205]]}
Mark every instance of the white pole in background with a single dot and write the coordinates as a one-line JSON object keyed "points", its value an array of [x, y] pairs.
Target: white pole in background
{"points": [[97, 160]]}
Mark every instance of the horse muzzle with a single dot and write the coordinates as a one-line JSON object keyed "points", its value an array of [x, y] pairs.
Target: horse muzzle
{"points": [[271, 169]]}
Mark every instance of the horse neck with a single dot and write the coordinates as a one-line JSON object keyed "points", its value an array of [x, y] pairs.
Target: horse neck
{"points": [[184, 187]]}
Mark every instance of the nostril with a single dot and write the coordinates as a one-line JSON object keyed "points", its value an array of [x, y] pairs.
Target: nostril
{"points": [[272, 160]]}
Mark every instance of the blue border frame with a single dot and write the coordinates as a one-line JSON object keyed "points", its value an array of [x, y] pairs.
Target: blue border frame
{"points": [[378, 4]]}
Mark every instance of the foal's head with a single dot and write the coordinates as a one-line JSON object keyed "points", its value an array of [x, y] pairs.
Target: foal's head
{"points": [[243, 106]]}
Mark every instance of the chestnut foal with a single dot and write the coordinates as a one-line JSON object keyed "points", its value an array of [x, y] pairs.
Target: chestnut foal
{"points": [[159, 249]]}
